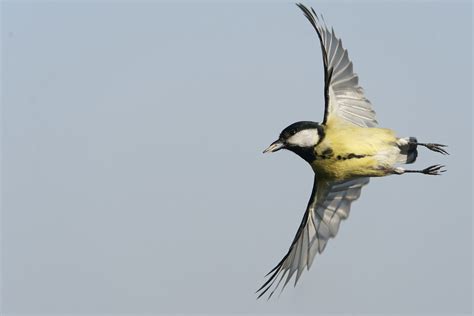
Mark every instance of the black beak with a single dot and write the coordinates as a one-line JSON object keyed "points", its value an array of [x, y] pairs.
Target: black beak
{"points": [[275, 146]]}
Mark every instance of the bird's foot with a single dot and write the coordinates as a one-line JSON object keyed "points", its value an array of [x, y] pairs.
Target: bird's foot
{"points": [[434, 170], [439, 148]]}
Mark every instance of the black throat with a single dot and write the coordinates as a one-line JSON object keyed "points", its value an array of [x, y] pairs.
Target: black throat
{"points": [[307, 153]]}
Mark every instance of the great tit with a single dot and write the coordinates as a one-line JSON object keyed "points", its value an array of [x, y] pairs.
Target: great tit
{"points": [[344, 151]]}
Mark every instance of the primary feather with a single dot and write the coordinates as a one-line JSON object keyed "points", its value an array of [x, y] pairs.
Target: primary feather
{"points": [[344, 98], [329, 204]]}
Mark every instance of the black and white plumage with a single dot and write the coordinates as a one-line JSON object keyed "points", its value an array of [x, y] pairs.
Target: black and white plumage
{"points": [[330, 201], [344, 151]]}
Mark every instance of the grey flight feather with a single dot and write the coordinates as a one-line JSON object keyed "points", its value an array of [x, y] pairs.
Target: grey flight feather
{"points": [[329, 204], [344, 97]]}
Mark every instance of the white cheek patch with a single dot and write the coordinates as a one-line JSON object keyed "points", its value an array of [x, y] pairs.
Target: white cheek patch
{"points": [[305, 138]]}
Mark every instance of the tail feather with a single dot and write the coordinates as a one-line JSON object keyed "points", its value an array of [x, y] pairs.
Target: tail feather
{"points": [[408, 152]]}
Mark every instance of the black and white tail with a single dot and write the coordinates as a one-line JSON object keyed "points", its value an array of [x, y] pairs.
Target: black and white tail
{"points": [[408, 152]]}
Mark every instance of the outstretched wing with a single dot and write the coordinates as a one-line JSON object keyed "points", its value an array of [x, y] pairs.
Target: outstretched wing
{"points": [[344, 98], [329, 204]]}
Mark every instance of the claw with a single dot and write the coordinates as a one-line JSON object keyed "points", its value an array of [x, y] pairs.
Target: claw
{"points": [[434, 170], [437, 148]]}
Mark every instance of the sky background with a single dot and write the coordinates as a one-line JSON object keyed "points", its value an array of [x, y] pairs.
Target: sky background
{"points": [[132, 174]]}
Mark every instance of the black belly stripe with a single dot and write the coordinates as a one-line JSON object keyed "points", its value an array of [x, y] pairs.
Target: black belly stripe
{"points": [[350, 156], [326, 154]]}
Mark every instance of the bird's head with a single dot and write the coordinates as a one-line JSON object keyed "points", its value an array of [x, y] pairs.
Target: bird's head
{"points": [[300, 138]]}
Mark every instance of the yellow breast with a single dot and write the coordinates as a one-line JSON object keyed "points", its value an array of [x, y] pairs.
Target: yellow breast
{"points": [[349, 151]]}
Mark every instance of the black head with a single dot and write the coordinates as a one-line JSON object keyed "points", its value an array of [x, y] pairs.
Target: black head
{"points": [[299, 137]]}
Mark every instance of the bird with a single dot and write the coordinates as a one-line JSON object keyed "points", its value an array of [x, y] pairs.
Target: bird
{"points": [[344, 151]]}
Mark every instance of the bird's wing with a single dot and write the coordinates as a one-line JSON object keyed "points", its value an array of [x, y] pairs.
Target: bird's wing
{"points": [[329, 204], [343, 96]]}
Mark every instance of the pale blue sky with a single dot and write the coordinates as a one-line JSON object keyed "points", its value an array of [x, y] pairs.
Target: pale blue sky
{"points": [[132, 173]]}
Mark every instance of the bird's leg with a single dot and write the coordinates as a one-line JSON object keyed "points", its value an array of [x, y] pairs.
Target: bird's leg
{"points": [[434, 170], [434, 147]]}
